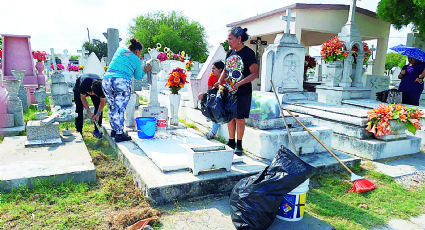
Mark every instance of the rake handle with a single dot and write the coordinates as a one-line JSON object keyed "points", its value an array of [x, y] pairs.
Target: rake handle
{"points": [[284, 120], [317, 139]]}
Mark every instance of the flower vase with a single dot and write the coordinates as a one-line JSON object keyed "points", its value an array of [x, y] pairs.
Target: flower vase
{"points": [[174, 108], [333, 73], [41, 79], [398, 129]]}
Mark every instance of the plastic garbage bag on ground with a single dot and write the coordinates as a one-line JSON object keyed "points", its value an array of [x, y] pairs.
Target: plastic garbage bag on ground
{"points": [[255, 200]]}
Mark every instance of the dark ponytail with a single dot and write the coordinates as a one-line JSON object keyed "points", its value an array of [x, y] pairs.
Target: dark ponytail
{"points": [[135, 45], [238, 31]]}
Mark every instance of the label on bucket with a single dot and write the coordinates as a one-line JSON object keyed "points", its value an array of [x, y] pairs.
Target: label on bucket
{"points": [[292, 207], [162, 123]]}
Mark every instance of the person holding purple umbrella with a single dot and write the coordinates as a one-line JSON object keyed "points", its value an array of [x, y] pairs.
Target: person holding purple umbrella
{"points": [[412, 81]]}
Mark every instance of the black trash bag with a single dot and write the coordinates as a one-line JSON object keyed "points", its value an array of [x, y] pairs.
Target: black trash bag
{"points": [[390, 96], [255, 200], [219, 105], [207, 99]]}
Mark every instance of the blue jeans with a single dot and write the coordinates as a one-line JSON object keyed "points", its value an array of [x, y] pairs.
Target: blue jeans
{"points": [[215, 128], [117, 92]]}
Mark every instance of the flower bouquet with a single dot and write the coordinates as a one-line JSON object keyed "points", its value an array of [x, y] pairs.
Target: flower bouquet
{"points": [[58, 66], [333, 50], [73, 68], [367, 51], [81, 67], [1, 53], [176, 80], [189, 65], [162, 56], [379, 118], [39, 55]]}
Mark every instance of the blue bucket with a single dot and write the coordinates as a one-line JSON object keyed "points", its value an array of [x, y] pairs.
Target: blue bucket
{"points": [[146, 127]]}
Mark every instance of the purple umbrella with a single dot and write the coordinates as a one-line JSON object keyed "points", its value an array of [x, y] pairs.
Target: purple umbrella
{"points": [[412, 52]]}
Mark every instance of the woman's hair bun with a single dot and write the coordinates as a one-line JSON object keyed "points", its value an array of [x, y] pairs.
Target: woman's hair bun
{"points": [[245, 29]]}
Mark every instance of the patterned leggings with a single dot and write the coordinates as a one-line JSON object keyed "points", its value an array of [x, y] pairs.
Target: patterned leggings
{"points": [[117, 91]]}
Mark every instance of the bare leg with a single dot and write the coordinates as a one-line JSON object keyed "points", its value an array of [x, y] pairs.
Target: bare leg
{"points": [[231, 127], [240, 125]]}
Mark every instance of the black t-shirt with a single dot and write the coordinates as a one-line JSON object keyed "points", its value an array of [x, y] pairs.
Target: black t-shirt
{"points": [[84, 82], [237, 67]]}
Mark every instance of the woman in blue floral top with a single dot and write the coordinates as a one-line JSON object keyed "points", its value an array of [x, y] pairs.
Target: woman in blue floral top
{"points": [[241, 69]]}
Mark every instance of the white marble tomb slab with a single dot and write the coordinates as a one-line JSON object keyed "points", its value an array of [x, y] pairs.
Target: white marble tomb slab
{"points": [[172, 153]]}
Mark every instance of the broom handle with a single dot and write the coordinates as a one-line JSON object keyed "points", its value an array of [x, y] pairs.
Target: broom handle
{"points": [[284, 120], [308, 130]]}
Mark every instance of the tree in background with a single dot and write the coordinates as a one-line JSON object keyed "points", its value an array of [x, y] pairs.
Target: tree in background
{"points": [[1, 43], [403, 12], [225, 45], [98, 47], [172, 30], [394, 59]]}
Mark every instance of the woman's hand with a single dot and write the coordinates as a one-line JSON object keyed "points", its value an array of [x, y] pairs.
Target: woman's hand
{"points": [[402, 73], [235, 86], [419, 80], [148, 68]]}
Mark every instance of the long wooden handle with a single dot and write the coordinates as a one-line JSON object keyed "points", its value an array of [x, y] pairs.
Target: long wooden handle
{"points": [[284, 120], [308, 130]]}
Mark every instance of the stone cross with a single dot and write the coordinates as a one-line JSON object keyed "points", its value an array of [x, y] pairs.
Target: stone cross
{"points": [[352, 12], [112, 37], [258, 44], [288, 19], [187, 57], [372, 49], [83, 51], [52, 58]]}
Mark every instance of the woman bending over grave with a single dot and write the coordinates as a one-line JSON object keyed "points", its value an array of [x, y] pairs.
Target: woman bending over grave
{"points": [[89, 85], [216, 70], [117, 84], [241, 68], [412, 83]]}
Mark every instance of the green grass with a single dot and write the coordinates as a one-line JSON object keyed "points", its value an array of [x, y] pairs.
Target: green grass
{"points": [[112, 202], [330, 201]]}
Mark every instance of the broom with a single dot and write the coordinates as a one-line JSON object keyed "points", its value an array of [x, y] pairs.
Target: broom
{"points": [[360, 184]]}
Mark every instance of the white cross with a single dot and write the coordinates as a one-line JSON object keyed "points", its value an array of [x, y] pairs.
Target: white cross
{"points": [[352, 12], [83, 51], [372, 49], [52, 58], [288, 19]]}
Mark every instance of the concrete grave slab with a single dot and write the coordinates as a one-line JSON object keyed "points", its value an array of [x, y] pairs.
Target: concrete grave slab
{"points": [[20, 166], [175, 152]]}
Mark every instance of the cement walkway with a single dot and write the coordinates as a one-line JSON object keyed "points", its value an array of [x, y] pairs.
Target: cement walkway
{"points": [[214, 213]]}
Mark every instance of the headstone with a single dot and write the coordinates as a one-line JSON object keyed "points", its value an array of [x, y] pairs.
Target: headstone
{"points": [[17, 56], [40, 96], [377, 84], [19, 75], [39, 134], [65, 58], [93, 65], [394, 81], [83, 59], [59, 90], [283, 62], [14, 104], [199, 83], [113, 41]]}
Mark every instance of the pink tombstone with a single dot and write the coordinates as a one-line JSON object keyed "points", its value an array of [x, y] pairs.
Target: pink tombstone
{"points": [[17, 56]]}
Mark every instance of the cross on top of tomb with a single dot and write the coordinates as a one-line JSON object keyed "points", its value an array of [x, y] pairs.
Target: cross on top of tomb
{"points": [[83, 51], [52, 58], [372, 50], [288, 19], [258, 44], [352, 12]]}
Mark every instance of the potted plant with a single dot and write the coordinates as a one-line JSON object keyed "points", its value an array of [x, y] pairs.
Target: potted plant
{"points": [[176, 81], [393, 120], [333, 53]]}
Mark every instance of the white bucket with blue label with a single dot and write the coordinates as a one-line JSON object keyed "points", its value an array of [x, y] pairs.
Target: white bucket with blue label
{"points": [[293, 204]]}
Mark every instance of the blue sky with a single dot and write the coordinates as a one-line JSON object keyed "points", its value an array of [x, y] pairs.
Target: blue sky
{"points": [[63, 25]]}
